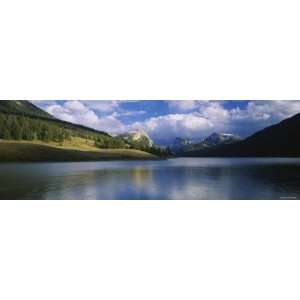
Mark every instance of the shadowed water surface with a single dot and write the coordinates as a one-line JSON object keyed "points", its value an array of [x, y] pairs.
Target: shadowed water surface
{"points": [[181, 178]]}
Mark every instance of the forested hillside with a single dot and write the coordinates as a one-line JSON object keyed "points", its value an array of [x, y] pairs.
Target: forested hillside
{"points": [[19, 127], [21, 120], [23, 107]]}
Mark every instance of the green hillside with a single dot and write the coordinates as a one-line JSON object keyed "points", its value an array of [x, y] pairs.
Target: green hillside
{"points": [[27, 109], [11, 151], [21, 121], [24, 127]]}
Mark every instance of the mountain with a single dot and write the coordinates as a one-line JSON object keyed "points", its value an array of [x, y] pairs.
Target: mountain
{"points": [[23, 107], [217, 139], [138, 137], [279, 140], [140, 140], [182, 146]]}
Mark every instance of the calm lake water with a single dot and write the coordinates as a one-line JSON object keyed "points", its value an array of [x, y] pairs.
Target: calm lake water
{"points": [[180, 178]]}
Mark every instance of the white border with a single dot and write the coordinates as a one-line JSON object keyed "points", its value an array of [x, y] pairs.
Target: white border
{"points": [[149, 250], [135, 49]]}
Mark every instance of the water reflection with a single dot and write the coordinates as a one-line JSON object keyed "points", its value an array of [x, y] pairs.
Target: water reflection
{"points": [[184, 178], [141, 176]]}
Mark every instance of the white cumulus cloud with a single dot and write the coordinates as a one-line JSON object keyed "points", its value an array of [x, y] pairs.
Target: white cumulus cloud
{"points": [[79, 113], [173, 125]]}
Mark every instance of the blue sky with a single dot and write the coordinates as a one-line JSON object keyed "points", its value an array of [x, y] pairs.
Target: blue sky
{"points": [[165, 120]]}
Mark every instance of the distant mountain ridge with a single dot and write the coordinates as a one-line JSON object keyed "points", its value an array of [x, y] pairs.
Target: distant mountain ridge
{"points": [[279, 140], [180, 144], [185, 145], [216, 139]]}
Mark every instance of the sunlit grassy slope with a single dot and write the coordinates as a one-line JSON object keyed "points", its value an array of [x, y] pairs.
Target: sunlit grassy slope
{"points": [[77, 149]]}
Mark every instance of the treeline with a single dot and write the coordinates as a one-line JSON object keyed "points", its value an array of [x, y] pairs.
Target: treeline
{"points": [[159, 151], [140, 145], [103, 142], [144, 144], [118, 142], [13, 127], [19, 127]]}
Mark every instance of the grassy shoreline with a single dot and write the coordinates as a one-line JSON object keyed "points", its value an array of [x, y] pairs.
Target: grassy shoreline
{"points": [[23, 151]]}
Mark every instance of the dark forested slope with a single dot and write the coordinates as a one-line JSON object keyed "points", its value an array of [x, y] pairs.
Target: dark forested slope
{"points": [[23, 107]]}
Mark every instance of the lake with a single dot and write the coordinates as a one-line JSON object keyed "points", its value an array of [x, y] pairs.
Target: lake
{"points": [[180, 178]]}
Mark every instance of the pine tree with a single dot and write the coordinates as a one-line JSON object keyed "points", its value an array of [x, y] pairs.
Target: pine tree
{"points": [[6, 134]]}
